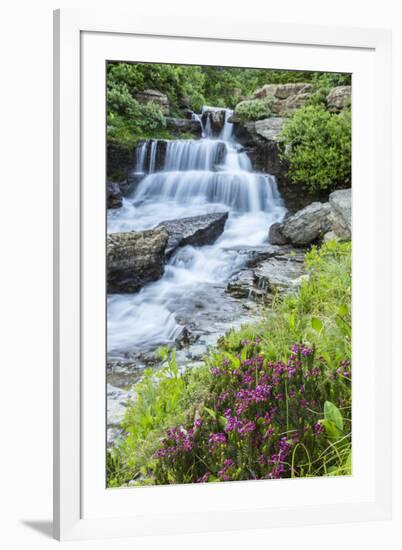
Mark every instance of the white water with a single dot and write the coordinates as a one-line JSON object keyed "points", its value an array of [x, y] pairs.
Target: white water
{"points": [[198, 177]]}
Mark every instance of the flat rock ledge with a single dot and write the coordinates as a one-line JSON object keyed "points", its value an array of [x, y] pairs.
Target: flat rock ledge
{"points": [[280, 273], [196, 230]]}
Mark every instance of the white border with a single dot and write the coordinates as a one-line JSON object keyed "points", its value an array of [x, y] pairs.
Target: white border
{"points": [[366, 495]]}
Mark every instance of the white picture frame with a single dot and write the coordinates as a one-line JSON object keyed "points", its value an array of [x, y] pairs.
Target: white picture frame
{"points": [[83, 507]]}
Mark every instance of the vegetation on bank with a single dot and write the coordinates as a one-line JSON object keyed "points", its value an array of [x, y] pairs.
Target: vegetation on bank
{"points": [[272, 400], [317, 146]]}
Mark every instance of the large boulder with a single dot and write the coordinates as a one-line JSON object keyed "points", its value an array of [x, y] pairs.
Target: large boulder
{"points": [[286, 98], [183, 126], [157, 97], [341, 214], [339, 98], [135, 259], [195, 231], [308, 225]]}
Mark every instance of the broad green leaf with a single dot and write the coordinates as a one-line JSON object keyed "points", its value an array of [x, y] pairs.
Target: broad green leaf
{"points": [[333, 414], [317, 324], [333, 433]]}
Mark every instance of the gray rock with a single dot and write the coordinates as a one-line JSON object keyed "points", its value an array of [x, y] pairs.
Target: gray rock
{"points": [[269, 128], [341, 214], [286, 97], [157, 97], [275, 235], [195, 231], [241, 286], [113, 195], [183, 126], [280, 274], [308, 225], [135, 259], [286, 107], [339, 98], [330, 236], [282, 91]]}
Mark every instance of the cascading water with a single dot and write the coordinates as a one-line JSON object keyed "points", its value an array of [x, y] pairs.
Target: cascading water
{"points": [[211, 174]]}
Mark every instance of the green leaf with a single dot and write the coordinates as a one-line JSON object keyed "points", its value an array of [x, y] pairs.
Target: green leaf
{"points": [[317, 324], [343, 310], [333, 433], [211, 412], [333, 414]]}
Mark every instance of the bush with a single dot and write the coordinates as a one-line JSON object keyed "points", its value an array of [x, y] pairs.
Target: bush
{"points": [[254, 109], [129, 120], [317, 147], [272, 400]]}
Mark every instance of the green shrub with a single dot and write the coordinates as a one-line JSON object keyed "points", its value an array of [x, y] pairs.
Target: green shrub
{"points": [[254, 109], [129, 120], [317, 147]]}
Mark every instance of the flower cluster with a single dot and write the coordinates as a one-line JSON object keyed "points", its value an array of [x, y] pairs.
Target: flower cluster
{"points": [[259, 414]]}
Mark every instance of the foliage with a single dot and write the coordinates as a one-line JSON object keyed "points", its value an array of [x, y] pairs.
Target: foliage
{"points": [[187, 86], [317, 147], [128, 120], [272, 400], [254, 109], [324, 82]]}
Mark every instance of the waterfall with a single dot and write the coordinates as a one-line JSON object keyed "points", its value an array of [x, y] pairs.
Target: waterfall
{"points": [[183, 178], [140, 157]]}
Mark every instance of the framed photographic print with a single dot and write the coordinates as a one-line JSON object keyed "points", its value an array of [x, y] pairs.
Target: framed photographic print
{"points": [[209, 307]]}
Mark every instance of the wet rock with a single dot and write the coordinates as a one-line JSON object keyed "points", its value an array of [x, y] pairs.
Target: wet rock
{"points": [[341, 214], [135, 259], [195, 231], [186, 338], [155, 96], [241, 286], [216, 118], [280, 274], [307, 225], [339, 98], [113, 195], [179, 126]]}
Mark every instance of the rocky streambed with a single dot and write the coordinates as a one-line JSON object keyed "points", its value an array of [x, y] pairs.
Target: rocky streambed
{"points": [[199, 240]]}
